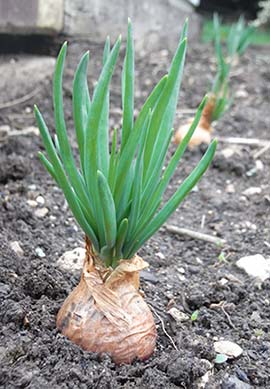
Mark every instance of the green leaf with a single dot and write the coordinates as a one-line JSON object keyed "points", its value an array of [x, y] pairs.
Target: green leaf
{"points": [[92, 136], [152, 202], [64, 146], [136, 195], [121, 237], [81, 103], [128, 87], [108, 210], [103, 132], [195, 315], [154, 177], [47, 165], [175, 200], [164, 111], [63, 181], [126, 193], [128, 152], [113, 161], [94, 119]]}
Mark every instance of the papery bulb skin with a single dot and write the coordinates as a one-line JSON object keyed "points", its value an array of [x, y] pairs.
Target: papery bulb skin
{"points": [[202, 134], [110, 316]]}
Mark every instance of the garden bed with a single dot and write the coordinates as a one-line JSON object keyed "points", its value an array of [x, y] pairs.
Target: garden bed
{"points": [[186, 274]]}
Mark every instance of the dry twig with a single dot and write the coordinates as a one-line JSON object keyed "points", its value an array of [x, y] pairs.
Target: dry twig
{"points": [[196, 235], [20, 100], [244, 141], [222, 306], [163, 327], [262, 151]]}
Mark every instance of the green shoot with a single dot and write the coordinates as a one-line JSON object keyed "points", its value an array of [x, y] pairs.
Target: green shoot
{"points": [[237, 41], [194, 315], [116, 194]]}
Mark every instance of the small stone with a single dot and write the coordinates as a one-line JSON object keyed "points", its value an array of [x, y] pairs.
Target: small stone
{"points": [[228, 152], [253, 190], [251, 226], [243, 199], [40, 253], [32, 187], [259, 165], [255, 266], [32, 203], [41, 212], [181, 277], [147, 275], [72, 260], [40, 200], [164, 53], [160, 255], [241, 93], [181, 270], [231, 349], [178, 316], [4, 130], [256, 317], [223, 281], [230, 188], [15, 246]]}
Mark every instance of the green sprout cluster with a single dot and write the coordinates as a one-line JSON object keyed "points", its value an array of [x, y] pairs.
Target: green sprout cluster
{"points": [[116, 192], [237, 41]]}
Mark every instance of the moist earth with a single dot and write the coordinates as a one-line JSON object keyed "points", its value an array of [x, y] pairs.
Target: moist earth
{"points": [[189, 275]]}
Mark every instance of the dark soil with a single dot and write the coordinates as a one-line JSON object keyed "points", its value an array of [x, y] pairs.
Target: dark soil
{"points": [[184, 273]]}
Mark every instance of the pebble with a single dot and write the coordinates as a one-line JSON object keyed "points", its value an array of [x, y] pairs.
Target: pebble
{"points": [[228, 348], [4, 130], [32, 203], [72, 260], [241, 93], [181, 270], [223, 281], [255, 266], [178, 316], [32, 187], [230, 188], [41, 212], [40, 200], [160, 255], [253, 190], [228, 152], [181, 277], [15, 246], [147, 275], [259, 165], [256, 317], [251, 226], [40, 253]]}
